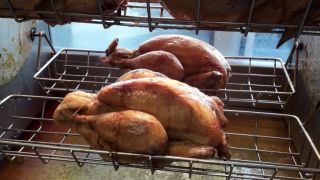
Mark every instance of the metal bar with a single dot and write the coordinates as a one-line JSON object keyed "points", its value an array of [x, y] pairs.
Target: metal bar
{"points": [[40, 132], [54, 9], [256, 142], [274, 174], [30, 118], [249, 18], [88, 160], [149, 16], [5, 154], [254, 85], [102, 15], [267, 163], [274, 83], [75, 158], [13, 11], [30, 139], [299, 30], [47, 64], [50, 143], [199, 171], [87, 71], [39, 156], [115, 165], [96, 76], [190, 168], [265, 151], [5, 130], [289, 60], [62, 140], [151, 164], [43, 34], [230, 172], [250, 89], [39, 52], [258, 136], [254, 75], [213, 161], [305, 15], [71, 81], [132, 19], [93, 67], [141, 6], [197, 14]]}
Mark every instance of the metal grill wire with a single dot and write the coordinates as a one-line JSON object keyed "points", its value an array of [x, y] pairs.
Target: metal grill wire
{"points": [[263, 145], [251, 83], [158, 21]]}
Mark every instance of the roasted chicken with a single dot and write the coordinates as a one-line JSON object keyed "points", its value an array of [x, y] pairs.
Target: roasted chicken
{"points": [[179, 57], [179, 108], [61, 6], [237, 11], [148, 113], [140, 73]]}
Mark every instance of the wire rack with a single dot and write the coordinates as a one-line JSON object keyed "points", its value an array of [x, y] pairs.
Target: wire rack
{"points": [[263, 145], [154, 17], [255, 82]]}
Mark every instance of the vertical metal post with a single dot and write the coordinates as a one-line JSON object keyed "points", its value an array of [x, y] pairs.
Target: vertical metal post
{"points": [[197, 14], [149, 16], [249, 18], [105, 25], [54, 9], [289, 60], [14, 12]]}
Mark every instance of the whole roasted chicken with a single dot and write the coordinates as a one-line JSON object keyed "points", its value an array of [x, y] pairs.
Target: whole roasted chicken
{"points": [[179, 57], [146, 112]]}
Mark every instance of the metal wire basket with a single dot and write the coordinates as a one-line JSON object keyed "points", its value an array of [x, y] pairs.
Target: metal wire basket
{"points": [[263, 145], [255, 82]]}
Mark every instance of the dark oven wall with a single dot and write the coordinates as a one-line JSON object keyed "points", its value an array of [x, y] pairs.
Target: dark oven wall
{"points": [[305, 102]]}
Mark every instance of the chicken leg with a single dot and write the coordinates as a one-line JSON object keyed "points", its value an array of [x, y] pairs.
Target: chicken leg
{"points": [[206, 80]]}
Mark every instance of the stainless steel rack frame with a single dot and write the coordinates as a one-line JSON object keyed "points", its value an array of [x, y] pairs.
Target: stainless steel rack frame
{"points": [[255, 82], [152, 21], [263, 145]]}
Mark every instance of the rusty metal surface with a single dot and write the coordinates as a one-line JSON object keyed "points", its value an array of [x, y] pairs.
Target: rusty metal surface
{"points": [[309, 66], [22, 53], [15, 47]]}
